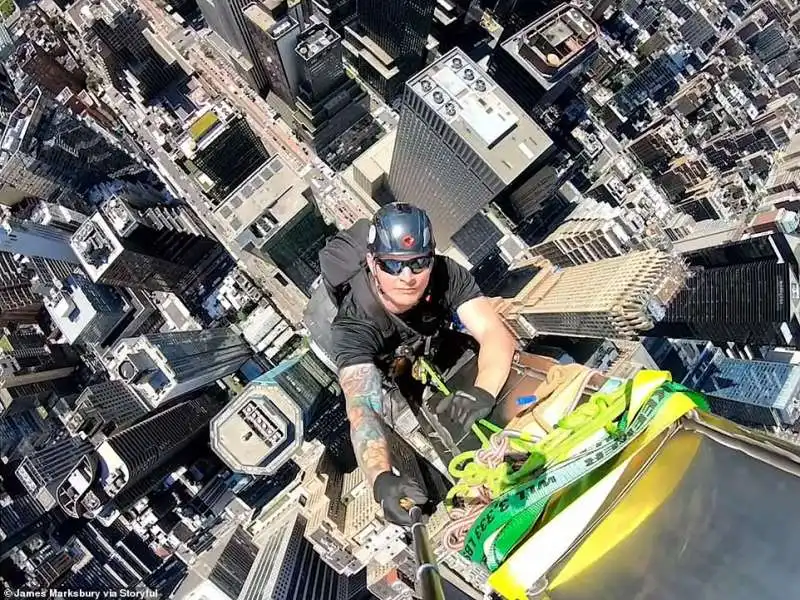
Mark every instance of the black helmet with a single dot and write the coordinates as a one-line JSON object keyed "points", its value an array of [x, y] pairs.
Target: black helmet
{"points": [[401, 228]]}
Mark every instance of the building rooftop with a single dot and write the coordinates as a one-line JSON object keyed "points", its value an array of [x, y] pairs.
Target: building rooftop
{"points": [[315, 39], [262, 19], [205, 129], [74, 308], [260, 430], [267, 200], [20, 121], [555, 43], [710, 233], [482, 114], [96, 245]]}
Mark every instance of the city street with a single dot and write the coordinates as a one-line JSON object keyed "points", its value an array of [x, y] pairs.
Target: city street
{"points": [[219, 80]]}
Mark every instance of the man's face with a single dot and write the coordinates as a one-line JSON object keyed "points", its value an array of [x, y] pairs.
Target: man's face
{"points": [[398, 280]]}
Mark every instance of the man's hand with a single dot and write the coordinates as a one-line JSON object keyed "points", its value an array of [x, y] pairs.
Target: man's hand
{"points": [[390, 490], [458, 411]]}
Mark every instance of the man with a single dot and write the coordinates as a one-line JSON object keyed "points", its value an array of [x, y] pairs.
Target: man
{"points": [[403, 292]]}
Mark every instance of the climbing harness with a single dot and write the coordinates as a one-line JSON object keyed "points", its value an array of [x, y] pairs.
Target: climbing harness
{"points": [[519, 473], [424, 372]]}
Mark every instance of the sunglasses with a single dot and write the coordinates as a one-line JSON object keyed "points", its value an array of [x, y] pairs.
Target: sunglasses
{"points": [[394, 266]]}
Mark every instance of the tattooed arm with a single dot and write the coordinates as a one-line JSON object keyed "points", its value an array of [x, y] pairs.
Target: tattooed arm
{"points": [[361, 385]]}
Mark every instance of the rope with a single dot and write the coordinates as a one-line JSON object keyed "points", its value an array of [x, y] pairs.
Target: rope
{"points": [[485, 474], [462, 518]]}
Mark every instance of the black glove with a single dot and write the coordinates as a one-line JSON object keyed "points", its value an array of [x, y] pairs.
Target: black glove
{"points": [[389, 489], [458, 411]]}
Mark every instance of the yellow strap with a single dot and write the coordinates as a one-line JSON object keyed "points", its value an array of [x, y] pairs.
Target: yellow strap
{"points": [[513, 578]]}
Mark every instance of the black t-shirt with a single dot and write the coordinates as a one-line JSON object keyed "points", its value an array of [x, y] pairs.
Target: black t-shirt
{"points": [[359, 339]]}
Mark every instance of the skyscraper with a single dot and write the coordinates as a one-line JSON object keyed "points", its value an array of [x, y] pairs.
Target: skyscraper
{"points": [[750, 392], [463, 143], [287, 566], [259, 431], [387, 44], [158, 248], [399, 27], [221, 571], [36, 61], [86, 312], [611, 298], [742, 290], [105, 407], [596, 230], [272, 216], [329, 102], [31, 370], [22, 433], [47, 151], [130, 455], [537, 64], [31, 239], [8, 97], [226, 18], [336, 14], [221, 151], [275, 42], [162, 366], [117, 32], [18, 303], [513, 15], [44, 471], [650, 81]]}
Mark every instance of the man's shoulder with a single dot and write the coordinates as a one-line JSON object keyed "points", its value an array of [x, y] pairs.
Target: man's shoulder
{"points": [[453, 284], [448, 266], [354, 310]]}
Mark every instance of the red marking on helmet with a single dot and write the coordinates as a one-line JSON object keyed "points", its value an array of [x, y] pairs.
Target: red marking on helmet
{"points": [[408, 241]]}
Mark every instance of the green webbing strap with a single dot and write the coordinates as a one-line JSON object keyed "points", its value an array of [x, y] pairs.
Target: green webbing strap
{"points": [[426, 373], [507, 520]]}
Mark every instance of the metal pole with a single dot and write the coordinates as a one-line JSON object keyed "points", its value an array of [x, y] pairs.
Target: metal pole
{"points": [[429, 581]]}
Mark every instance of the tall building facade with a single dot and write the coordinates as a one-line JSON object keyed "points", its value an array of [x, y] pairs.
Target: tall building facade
{"points": [[158, 248], [32, 370], [226, 18], [221, 151], [514, 15], [611, 298], [18, 302], [329, 102], [750, 392], [105, 407], [743, 290], [86, 312], [46, 151], [274, 42], [288, 568], [596, 230], [537, 64], [336, 14], [272, 216], [44, 471], [650, 81], [388, 42], [162, 366], [222, 570], [116, 32], [31, 239], [129, 456], [399, 27], [463, 143]]}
